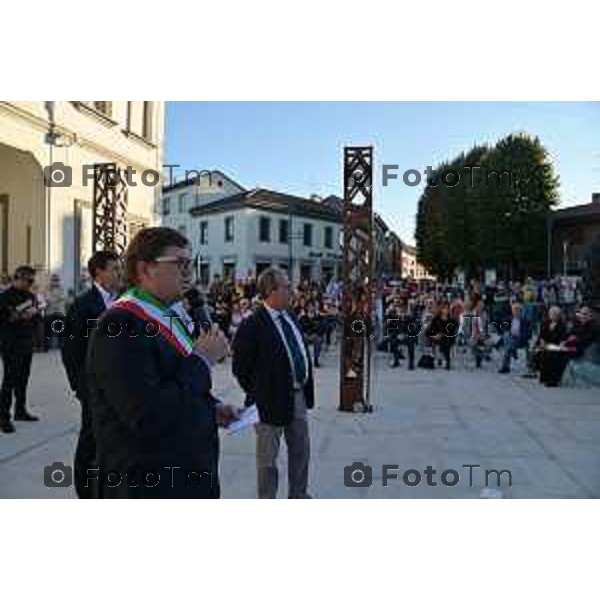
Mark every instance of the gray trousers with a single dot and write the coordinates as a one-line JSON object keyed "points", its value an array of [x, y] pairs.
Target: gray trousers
{"points": [[268, 438]]}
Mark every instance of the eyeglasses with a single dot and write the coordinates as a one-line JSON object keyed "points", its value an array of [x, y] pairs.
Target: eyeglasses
{"points": [[182, 262]]}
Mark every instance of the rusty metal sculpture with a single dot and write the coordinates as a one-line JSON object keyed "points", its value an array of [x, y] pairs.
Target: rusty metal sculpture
{"points": [[110, 209], [357, 280]]}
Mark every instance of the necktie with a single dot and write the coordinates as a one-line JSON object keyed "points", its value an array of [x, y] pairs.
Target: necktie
{"points": [[298, 364]]}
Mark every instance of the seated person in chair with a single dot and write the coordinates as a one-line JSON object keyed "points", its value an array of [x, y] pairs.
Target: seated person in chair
{"points": [[583, 370]]}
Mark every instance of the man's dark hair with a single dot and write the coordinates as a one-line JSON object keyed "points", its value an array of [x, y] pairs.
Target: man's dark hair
{"points": [[148, 245], [24, 272], [99, 261], [194, 297]]}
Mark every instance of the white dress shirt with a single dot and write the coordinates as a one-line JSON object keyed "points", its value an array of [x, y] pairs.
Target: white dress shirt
{"points": [[106, 295], [274, 314]]}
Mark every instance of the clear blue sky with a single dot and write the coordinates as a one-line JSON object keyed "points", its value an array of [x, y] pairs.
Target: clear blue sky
{"points": [[296, 147]]}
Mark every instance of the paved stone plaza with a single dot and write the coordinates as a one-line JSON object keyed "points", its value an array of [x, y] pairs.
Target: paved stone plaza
{"points": [[548, 438]]}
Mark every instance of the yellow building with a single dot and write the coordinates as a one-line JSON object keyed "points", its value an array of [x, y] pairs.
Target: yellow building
{"points": [[50, 227]]}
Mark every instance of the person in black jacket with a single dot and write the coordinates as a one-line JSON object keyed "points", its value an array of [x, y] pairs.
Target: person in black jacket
{"points": [[312, 326], [195, 306], [443, 330], [410, 328], [271, 363], [154, 420], [19, 317], [394, 332], [585, 332], [105, 272]]}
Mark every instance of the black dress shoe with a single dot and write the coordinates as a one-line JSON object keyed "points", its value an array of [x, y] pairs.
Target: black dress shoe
{"points": [[6, 426], [25, 416], [504, 370]]}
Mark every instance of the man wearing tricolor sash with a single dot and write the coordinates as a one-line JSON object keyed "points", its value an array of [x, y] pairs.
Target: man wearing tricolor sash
{"points": [[154, 418]]}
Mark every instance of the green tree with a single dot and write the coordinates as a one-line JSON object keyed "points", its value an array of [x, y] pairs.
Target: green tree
{"points": [[520, 207], [496, 215]]}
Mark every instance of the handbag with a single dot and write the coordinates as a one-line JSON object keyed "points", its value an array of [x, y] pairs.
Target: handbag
{"points": [[426, 362]]}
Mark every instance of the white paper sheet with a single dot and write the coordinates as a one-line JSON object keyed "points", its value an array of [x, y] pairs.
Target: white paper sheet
{"points": [[248, 417]]}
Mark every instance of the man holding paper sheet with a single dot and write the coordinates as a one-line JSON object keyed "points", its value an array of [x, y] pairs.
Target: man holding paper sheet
{"points": [[270, 361]]}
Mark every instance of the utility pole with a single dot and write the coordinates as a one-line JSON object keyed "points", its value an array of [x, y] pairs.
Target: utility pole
{"points": [[290, 238], [52, 138]]}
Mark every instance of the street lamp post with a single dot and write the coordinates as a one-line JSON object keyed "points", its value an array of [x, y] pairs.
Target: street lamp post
{"points": [[291, 237], [507, 216], [565, 246], [197, 267], [52, 138]]}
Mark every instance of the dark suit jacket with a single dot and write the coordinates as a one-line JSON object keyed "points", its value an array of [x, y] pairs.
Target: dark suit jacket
{"points": [[262, 368], [552, 336], [16, 337], [151, 412], [82, 319]]}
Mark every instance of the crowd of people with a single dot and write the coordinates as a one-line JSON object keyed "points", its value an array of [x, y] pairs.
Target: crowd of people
{"points": [[146, 399], [227, 302], [429, 323], [546, 320], [426, 323]]}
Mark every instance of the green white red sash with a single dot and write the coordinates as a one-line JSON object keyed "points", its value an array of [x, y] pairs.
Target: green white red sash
{"points": [[147, 308]]}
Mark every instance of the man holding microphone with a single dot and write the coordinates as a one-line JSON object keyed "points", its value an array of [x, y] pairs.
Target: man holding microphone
{"points": [[154, 418]]}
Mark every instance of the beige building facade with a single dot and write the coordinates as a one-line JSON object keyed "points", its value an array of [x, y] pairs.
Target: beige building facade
{"points": [[50, 227], [411, 267]]}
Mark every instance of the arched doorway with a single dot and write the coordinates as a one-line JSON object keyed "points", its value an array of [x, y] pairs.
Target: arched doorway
{"points": [[22, 200]]}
